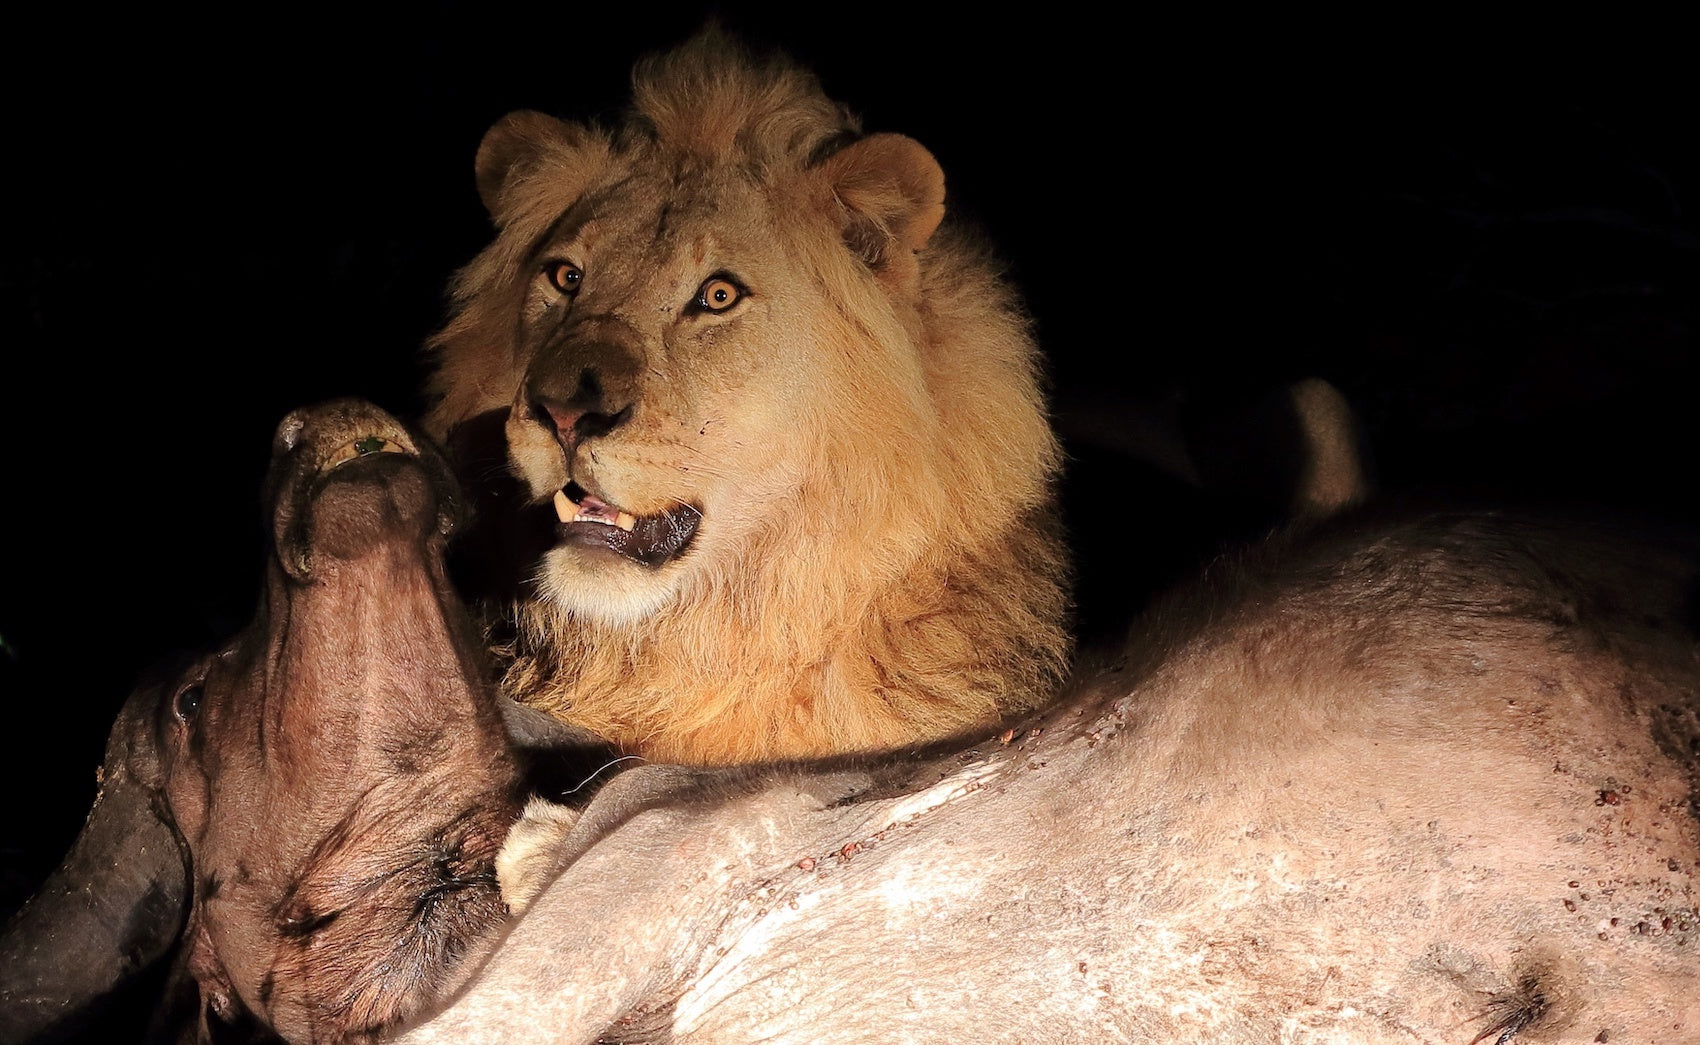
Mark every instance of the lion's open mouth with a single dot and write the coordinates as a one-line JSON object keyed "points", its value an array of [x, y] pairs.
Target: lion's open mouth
{"points": [[649, 539]]}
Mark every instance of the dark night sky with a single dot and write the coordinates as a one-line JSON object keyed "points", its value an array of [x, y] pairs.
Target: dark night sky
{"points": [[211, 223]]}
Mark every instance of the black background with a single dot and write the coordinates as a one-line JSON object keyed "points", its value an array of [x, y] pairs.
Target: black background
{"points": [[208, 220]]}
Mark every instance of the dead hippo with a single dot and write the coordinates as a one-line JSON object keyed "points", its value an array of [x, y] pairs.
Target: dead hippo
{"points": [[318, 804], [1426, 780]]}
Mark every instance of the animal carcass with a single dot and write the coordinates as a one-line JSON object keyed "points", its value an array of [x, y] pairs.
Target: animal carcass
{"points": [[1429, 779]]}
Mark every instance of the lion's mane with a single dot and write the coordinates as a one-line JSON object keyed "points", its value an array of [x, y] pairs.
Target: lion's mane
{"points": [[912, 585]]}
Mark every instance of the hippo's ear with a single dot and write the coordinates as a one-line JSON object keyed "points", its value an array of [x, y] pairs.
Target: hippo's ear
{"points": [[530, 158], [892, 191], [114, 907]]}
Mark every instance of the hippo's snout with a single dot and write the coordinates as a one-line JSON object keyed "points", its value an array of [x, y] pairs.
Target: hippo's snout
{"points": [[366, 502], [347, 477]]}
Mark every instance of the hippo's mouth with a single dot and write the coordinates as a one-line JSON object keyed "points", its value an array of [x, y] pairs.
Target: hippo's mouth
{"points": [[648, 539], [394, 443]]}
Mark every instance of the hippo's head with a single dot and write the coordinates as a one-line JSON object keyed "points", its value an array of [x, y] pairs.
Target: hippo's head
{"points": [[313, 811]]}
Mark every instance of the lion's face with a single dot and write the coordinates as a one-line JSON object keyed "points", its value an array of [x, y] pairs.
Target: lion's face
{"points": [[696, 350], [664, 389]]}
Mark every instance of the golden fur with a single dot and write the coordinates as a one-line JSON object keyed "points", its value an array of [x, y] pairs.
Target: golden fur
{"points": [[862, 432]]}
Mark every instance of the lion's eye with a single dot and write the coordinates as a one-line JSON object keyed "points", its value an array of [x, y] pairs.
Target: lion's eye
{"points": [[564, 276], [717, 294]]}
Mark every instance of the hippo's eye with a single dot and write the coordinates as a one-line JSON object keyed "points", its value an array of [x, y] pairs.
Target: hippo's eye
{"points": [[717, 294], [564, 276], [188, 702]]}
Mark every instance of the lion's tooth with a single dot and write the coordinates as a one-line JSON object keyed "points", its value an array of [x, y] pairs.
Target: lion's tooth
{"points": [[625, 521], [565, 510]]}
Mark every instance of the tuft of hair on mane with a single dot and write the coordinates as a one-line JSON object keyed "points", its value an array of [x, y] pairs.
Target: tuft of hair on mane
{"points": [[716, 99]]}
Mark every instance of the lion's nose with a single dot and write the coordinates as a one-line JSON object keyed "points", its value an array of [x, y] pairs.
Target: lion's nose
{"points": [[585, 414]]}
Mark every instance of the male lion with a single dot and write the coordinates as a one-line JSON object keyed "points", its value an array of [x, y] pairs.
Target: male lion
{"points": [[790, 423]]}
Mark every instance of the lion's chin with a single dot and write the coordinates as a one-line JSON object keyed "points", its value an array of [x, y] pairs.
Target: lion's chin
{"points": [[597, 585]]}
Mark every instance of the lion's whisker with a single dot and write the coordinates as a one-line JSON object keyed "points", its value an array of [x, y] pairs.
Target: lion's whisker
{"points": [[598, 772]]}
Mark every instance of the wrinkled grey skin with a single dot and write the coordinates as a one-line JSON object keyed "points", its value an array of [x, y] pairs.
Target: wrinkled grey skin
{"points": [[315, 808], [1422, 782]]}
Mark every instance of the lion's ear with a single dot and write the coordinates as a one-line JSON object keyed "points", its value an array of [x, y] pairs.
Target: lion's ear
{"points": [[517, 146], [893, 194]]}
